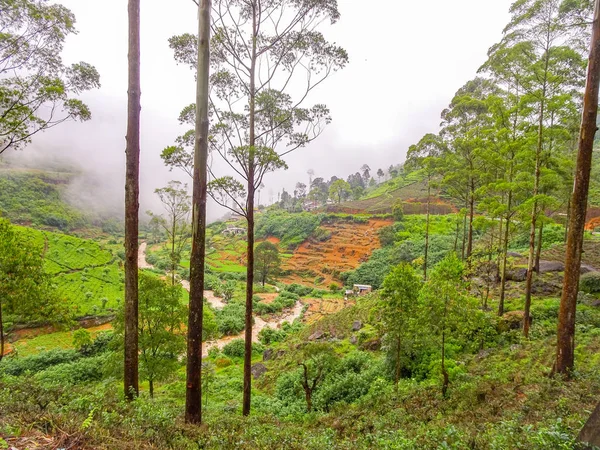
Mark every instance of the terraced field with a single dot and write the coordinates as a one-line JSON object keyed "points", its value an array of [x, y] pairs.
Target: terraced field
{"points": [[413, 195], [86, 275], [350, 245]]}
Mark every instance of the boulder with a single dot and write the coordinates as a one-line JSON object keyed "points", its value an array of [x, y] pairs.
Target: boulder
{"points": [[258, 370], [512, 320], [590, 433], [586, 269], [356, 325], [353, 339], [516, 274], [267, 354], [372, 345], [514, 254], [541, 287], [316, 335], [551, 266]]}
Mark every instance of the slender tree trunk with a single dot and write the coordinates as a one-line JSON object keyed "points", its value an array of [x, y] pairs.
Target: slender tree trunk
{"points": [[464, 236], [173, 252], [456, 236], [250, 217], [398, 367], [568, 302], [1, 334], [504, 263], [499, 249], [568, 218], [132, 195], [471, 214], [444, 371], [536, 190], [193, 396], [308, 397], [538, 251], [151, 387], [427, 230]]}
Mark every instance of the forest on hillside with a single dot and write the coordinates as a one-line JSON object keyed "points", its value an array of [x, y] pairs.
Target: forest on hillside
{"points": [[446, 300]]}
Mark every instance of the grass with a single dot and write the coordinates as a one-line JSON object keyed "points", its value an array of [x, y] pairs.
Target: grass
{"points": [[45, 342]]}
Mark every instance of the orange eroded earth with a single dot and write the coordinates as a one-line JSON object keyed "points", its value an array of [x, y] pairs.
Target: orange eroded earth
{"points": [[350, 245]]}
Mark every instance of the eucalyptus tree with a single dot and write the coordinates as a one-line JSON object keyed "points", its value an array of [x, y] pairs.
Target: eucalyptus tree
{"points": [[196, 317], [176, 202], [543, 29], [37, 91], [466, 124], [425, 156], [565, 354], [267, 58], [132, 195], [507, 68]]}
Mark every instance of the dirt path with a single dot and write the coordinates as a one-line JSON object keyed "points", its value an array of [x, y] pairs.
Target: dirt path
{"points": [[217, 303], [259, 325]]}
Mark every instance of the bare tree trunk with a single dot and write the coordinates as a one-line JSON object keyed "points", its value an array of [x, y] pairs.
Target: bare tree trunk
{"points": [[1, 334], [504, 261], [464, 236], [398, 367], [173, 229], [193, 398], [427, 230], [151, 387], [568, 219], [471, 214], [444, 371], [536, 190], [538, 251], [250, 218], [132, 194], [568, 302]]}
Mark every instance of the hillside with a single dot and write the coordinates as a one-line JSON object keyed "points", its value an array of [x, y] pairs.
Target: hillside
{"points": [[345, 245], [411, 191]]}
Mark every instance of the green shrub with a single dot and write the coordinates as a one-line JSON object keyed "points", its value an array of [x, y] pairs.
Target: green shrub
{"points": [[230, 319], [590, 283]]}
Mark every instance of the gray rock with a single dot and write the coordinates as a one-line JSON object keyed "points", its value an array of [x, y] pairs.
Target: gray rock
{"points": [[586, 269], [267, 354], [540, 287], [258, 370], [357, 325], [514, 254], [353, 339], [316, 335], [551, 266], [516, 274]]}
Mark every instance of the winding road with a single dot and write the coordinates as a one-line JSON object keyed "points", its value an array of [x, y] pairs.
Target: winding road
{"points": [[259, 324]]}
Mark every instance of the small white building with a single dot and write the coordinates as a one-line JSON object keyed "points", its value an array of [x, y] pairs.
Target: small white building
{"points": [[361, 289], [232, 231]]}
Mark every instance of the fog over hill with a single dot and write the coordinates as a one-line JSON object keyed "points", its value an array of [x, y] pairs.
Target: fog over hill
{"points": [[368, 127]]}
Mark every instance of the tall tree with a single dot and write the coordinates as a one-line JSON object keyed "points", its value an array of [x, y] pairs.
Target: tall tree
{"points": [[400, 297], [36, 89], [132, 195], [193, 397], [257, 122], [267, 260], [425, 157], [176, 203], [565, 349]]}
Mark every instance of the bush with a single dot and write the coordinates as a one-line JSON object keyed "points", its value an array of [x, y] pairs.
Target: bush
{"points": [[235, 349], [590, 283], [321, 234], [299, 290], [230, 319], [36, 363]]}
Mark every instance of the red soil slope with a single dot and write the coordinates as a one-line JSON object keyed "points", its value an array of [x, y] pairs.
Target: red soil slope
{"points": [[350, 245]]}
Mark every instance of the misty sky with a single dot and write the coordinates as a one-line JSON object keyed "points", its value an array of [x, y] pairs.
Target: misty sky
{"points": [[407, 59]]}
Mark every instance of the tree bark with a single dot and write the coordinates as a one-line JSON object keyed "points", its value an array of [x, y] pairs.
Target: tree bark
{"points": [[538, 251], [471, 215], [504, 263], [193, 398], [536, 191], [151, 387], [565, 353], [132, 194], [250, 218]]}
